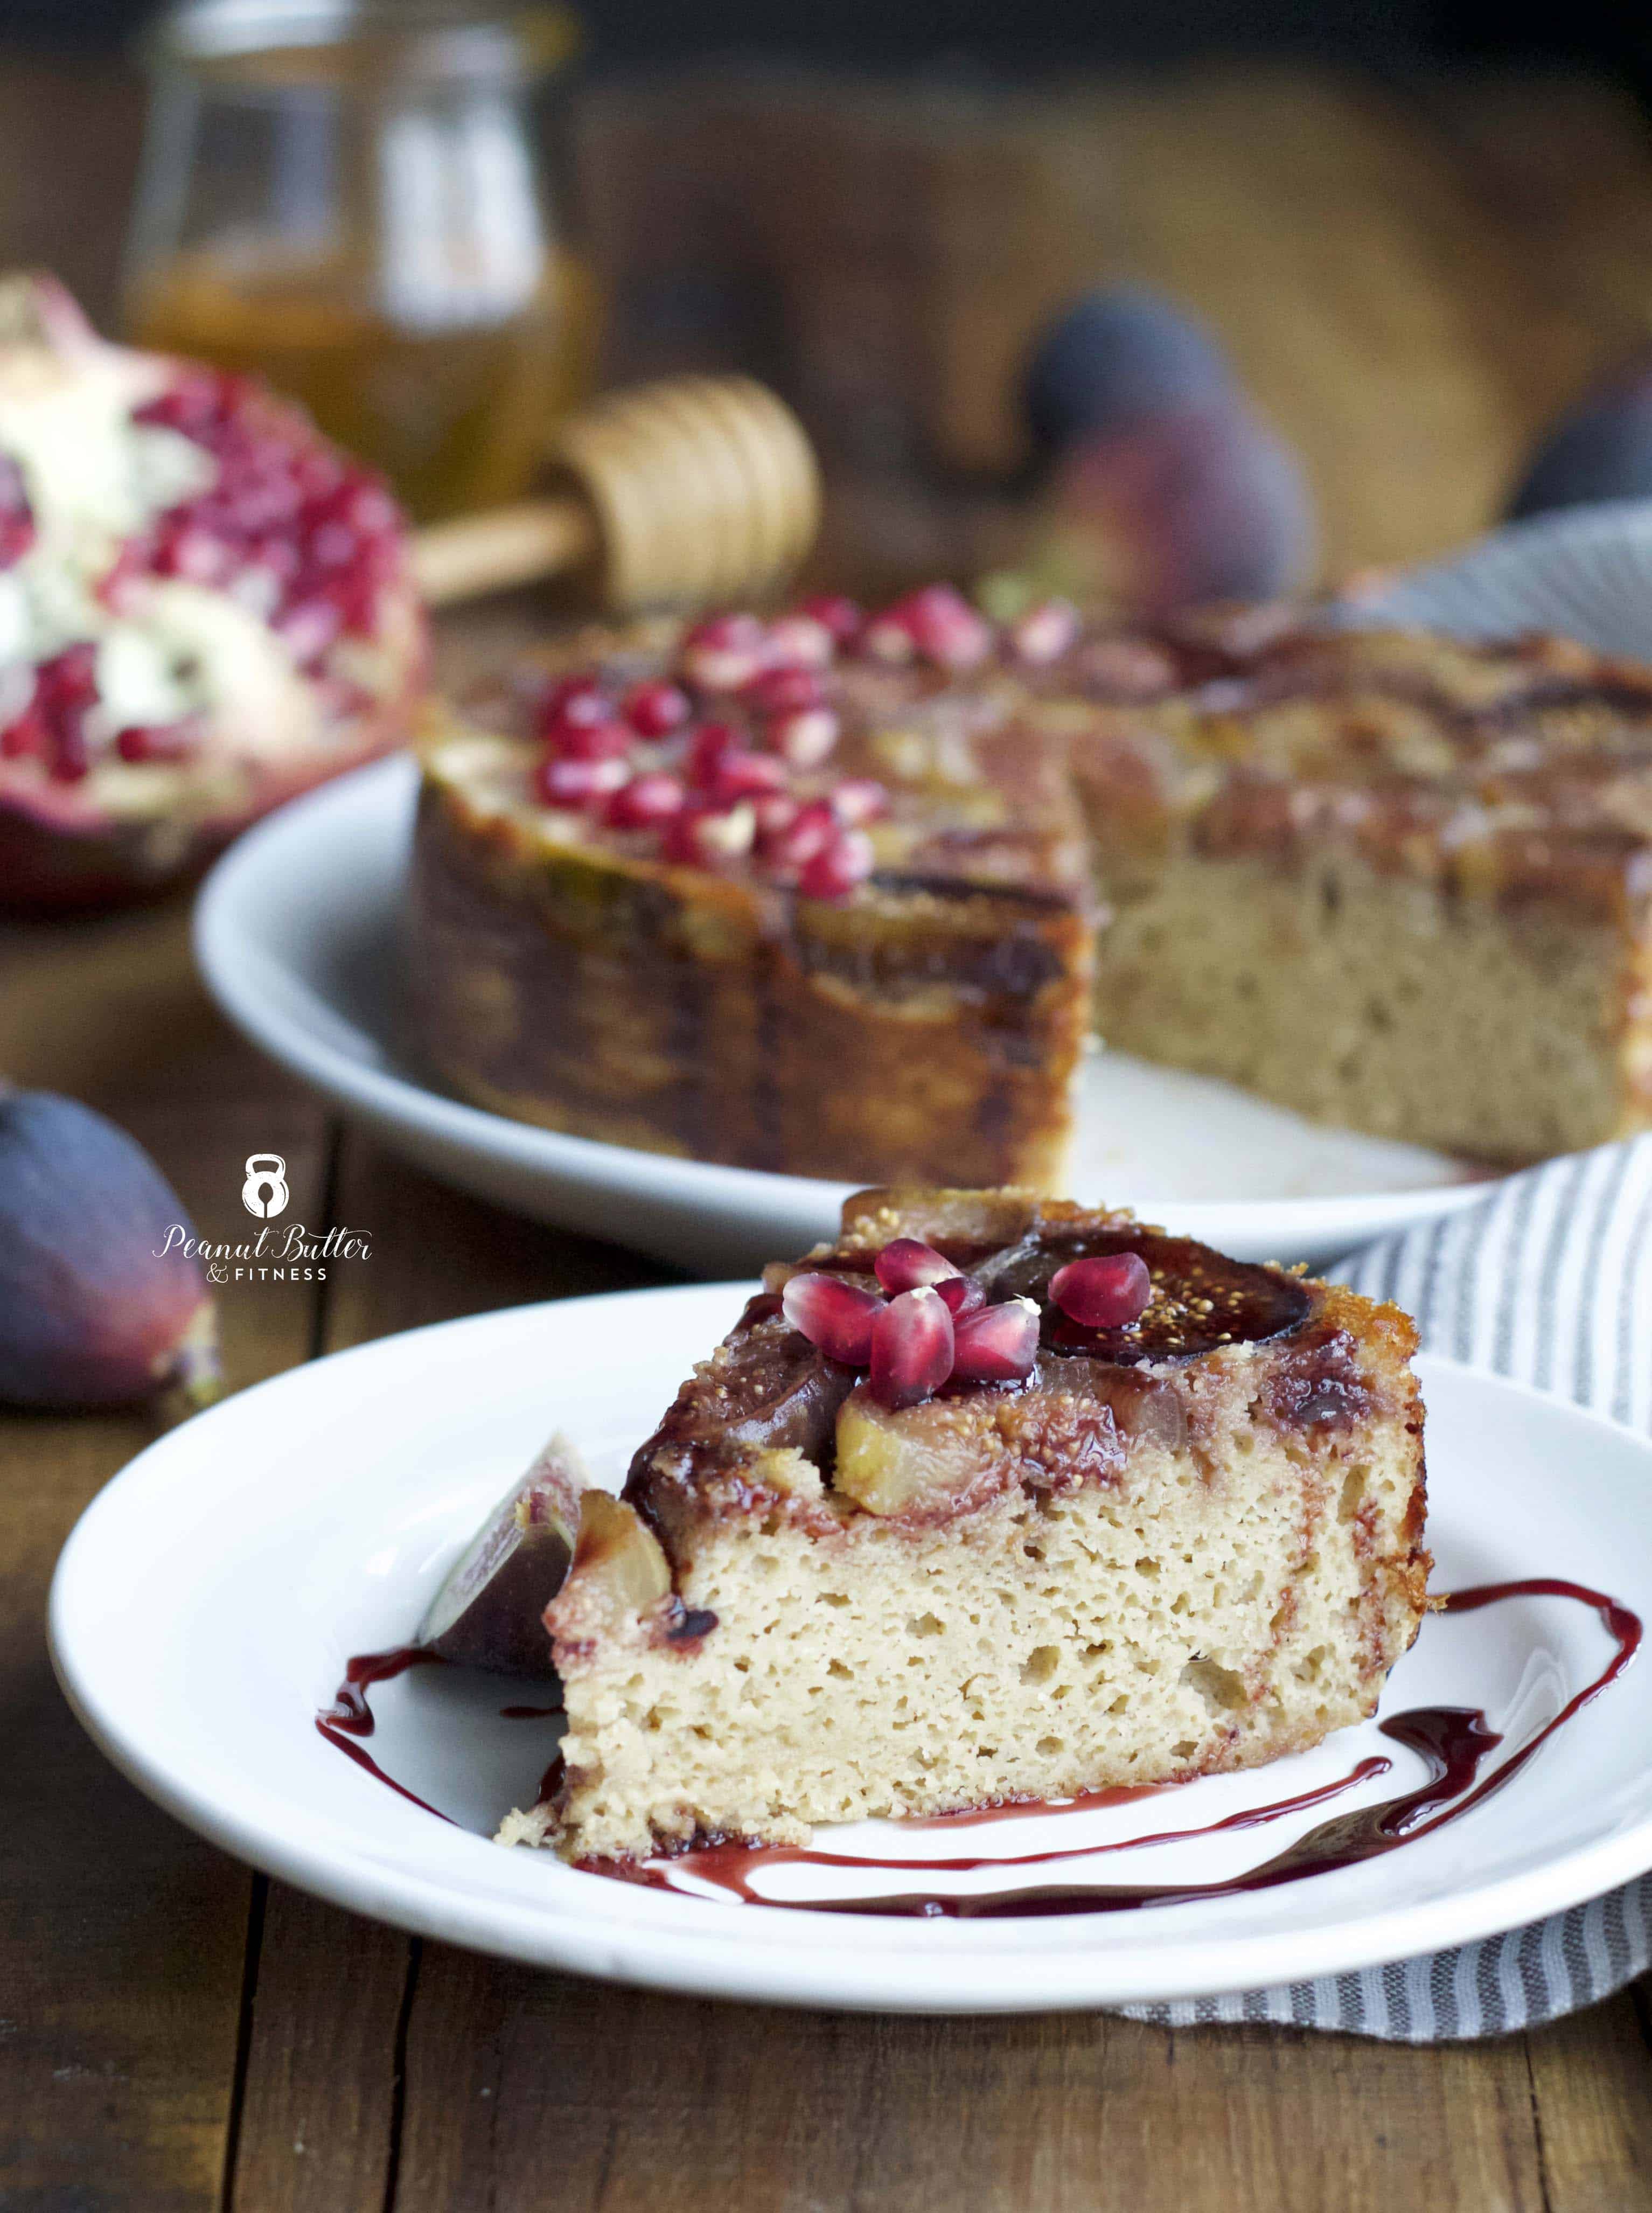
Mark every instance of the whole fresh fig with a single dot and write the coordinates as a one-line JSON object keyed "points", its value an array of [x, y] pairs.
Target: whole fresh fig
{"points": [[1600, 448], [101, 1302]]}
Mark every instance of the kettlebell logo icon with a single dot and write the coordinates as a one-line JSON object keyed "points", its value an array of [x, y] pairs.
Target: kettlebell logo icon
{"points": [[264, 1192]]}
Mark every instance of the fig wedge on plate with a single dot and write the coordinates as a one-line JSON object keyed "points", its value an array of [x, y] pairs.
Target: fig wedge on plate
{"points": [[489, 1611], [205, 608]]}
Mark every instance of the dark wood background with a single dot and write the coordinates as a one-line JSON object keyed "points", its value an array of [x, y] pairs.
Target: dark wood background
{"points": [[178, 2034]]}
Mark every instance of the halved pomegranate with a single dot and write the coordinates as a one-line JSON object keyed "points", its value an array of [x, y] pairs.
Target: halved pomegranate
{"points": [[205, 609]]}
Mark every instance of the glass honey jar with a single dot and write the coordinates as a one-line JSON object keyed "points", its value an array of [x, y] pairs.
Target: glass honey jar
{"points": [[351, 198]]}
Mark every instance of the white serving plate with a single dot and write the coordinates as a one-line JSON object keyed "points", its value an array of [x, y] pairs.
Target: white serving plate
{"points": [[206, 1603], [296, 935]]}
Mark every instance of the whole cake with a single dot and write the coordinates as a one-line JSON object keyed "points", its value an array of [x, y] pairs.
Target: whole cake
{"points": [[204, 608], [994, 1499], [813, 895]]}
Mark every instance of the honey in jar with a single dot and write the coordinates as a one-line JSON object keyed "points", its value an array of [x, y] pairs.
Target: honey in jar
{"points": [[350, 202]]}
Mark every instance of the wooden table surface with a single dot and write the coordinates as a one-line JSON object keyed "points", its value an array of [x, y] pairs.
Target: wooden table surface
{"points": [[178, 2034]]}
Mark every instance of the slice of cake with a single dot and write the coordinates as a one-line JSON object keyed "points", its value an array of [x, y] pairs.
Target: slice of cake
{"points": [[730, 895], [994, 1499]]}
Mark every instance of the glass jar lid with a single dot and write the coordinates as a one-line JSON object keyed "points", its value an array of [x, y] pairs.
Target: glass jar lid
{"points": [[275, 42]]}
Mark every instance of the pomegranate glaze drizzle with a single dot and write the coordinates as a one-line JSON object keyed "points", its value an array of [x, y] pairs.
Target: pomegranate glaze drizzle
{"points": [[349, 1716], [1455, 1740]]}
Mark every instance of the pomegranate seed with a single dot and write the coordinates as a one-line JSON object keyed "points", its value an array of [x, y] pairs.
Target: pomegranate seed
{"points": [[369, 509], [71, 756], [590, 741], [724, 654], [912, 1348], [908, 1264], [653, 710], [998, 1344], [189, 404], [806, 738], [356, 595], [1045, 632], [944, 627], [838, 868], [835, 614], [307, 628], [1107, 1293], [775, 815], [332, 545], [644, 803], [576, 699], [859, 800], [196, 555], [962, 1294], [799, 642], [707, 837], [837, 1316], [782, 692], [711, 746], [69, 678], [745, 775], [317, 472], [16, 516], [279, 555], [889, 639], [578, 784], [22, 738], [156, 742], [811, 829]]}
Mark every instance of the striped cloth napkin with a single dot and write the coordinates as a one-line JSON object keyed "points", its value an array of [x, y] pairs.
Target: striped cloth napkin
{"points": [[1550, 1281]]}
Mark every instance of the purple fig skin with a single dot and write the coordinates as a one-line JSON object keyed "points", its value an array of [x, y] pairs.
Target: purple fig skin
{"points": [[489, 1611], [1601, 449], [95, 1309]]}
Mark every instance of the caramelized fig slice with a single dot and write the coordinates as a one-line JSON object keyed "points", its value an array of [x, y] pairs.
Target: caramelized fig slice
{"points": [[489, 1611], [618, 1556]]}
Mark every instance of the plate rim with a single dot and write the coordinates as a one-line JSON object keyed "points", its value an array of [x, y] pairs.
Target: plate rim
{"points": [[394, 1101], [793, 1964]]}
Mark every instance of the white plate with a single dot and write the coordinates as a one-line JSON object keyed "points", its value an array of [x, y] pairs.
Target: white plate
{"points": [[297, 938], [206, 1604]]}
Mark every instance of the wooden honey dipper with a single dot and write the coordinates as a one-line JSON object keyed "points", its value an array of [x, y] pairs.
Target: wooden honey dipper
{"points": [[692, 490]]}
